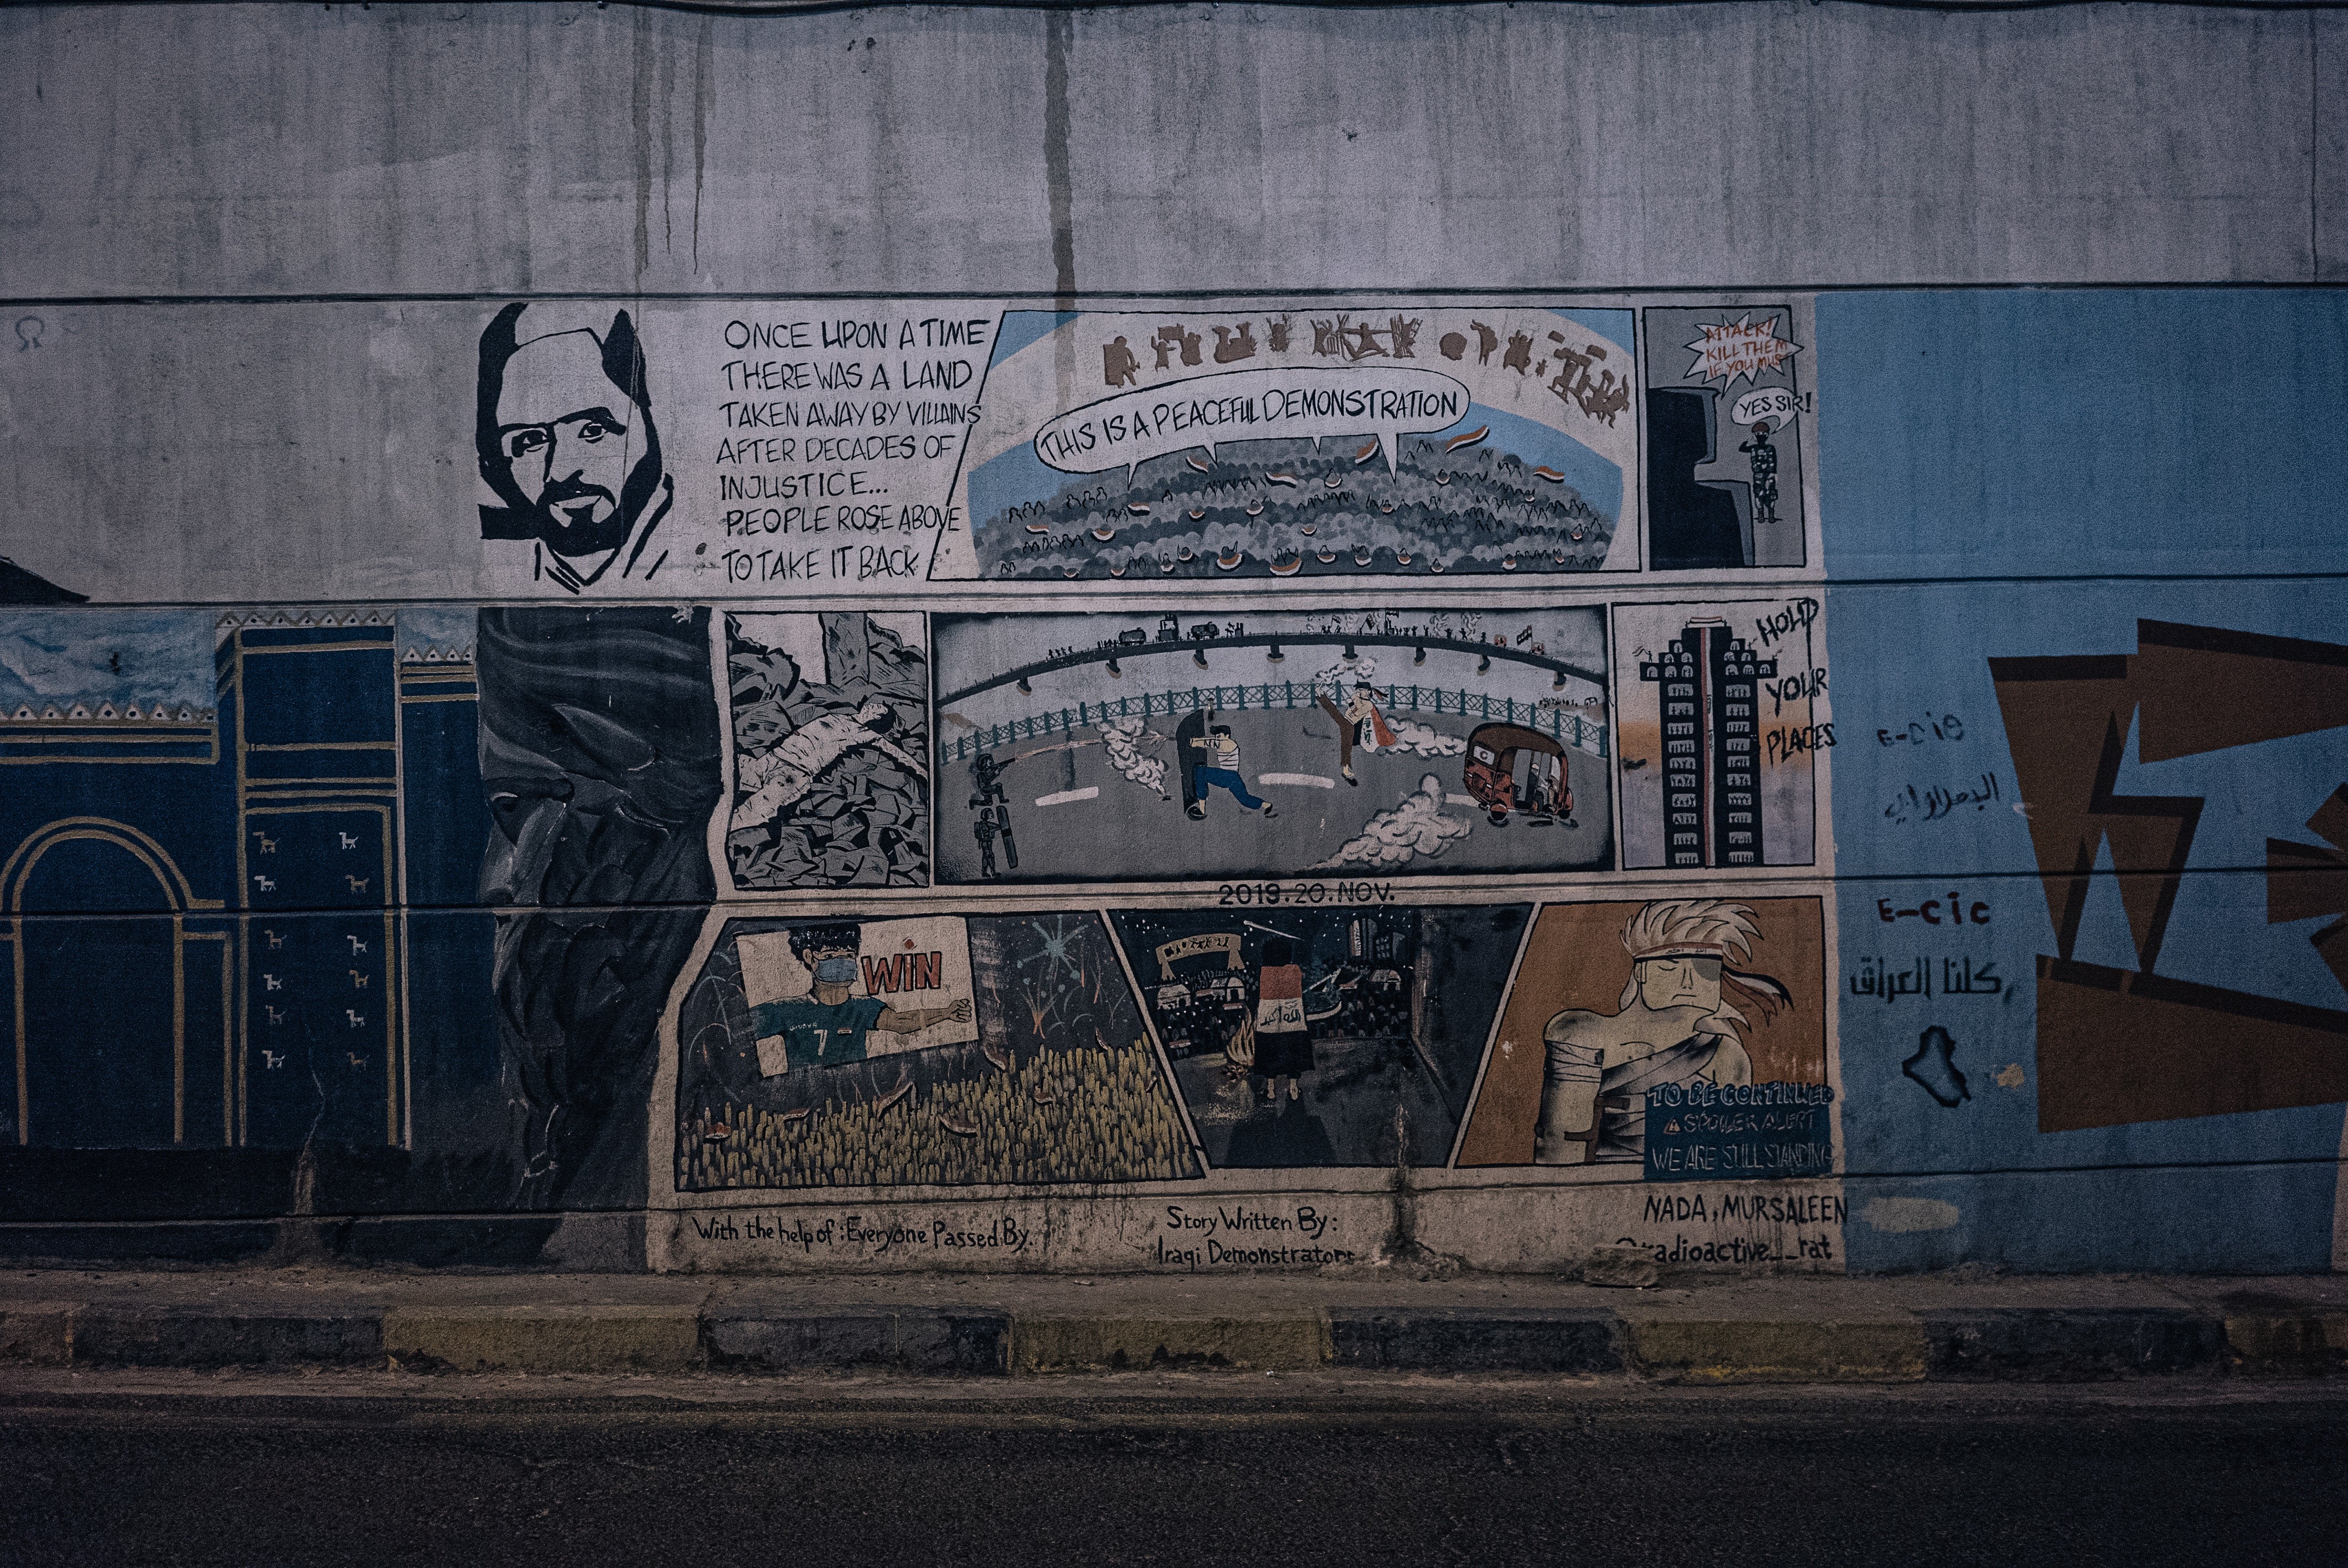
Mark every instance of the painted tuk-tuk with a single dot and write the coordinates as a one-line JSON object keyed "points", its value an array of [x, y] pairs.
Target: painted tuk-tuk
{"points": [[1514, 769]]}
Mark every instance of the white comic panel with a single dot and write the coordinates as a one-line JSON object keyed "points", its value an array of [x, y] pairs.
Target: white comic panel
{"points": [[1268, 743], [1723, 715], [1324, 443]]}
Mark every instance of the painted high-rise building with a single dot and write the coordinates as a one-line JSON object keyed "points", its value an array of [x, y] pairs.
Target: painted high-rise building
{"points": [[1709, 682]]}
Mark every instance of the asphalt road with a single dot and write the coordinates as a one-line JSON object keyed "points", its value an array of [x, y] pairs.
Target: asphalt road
{"points": [[1210, 1470]]}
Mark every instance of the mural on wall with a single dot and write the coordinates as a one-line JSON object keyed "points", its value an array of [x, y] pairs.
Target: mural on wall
{"points": [[2119, 1045], [1323, 442], [1104, 747], [1724, 404], [118, 797], [1641, 1034], [937, 1050], [223, 787], [600, 752], [566, 442], [1323, 1036], [771, 450], [1722, 717], [830, 718], [408, 908]]}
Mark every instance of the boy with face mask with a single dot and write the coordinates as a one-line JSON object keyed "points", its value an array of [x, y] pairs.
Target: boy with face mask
{"points": [[831, 1024]]}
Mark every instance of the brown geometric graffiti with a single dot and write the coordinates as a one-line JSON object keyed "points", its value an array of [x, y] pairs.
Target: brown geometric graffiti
{"points": [[2116, 1046], [2307, 881], [2067, 722], [2205, 688]]}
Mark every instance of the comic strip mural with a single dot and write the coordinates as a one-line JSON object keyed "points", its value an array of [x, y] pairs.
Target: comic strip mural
{"points": [[1323, 1036], [1102, 747], [1314, 444], [904, 759], [830, 720], [1675, 1037], [1724, 469], [938, 1050], [1721, 718]]}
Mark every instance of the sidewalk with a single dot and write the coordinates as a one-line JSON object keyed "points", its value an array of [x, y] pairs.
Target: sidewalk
{"points": [[1693, 1330]]}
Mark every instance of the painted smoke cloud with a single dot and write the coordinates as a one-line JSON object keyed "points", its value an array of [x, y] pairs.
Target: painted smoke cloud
{"points": [[1392, 838], [1419, 741], [1122, 738]]}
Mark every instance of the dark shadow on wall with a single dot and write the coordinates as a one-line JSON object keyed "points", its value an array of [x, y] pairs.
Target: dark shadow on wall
{"points": [[18, 586], [1690, 525], [600, 755]]}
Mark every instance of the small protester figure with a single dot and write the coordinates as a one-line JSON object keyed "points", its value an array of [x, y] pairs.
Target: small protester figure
{"points": [[1765, 473], [1218, 766], [1118, 364], [1283, 1039], [992, 818], [1359, 724]]}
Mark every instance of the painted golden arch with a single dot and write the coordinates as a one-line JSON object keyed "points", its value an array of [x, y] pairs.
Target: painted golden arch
{"points": [[18, 870]]}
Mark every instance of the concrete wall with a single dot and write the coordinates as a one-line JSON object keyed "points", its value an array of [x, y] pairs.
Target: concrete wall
{"points": [[399, 857]]}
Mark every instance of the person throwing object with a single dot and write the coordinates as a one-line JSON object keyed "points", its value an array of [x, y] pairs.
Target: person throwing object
{"points": [[1216, 764]]}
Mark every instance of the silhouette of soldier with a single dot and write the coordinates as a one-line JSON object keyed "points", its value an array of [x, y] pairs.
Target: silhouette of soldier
{"points": [[1764, 473]]}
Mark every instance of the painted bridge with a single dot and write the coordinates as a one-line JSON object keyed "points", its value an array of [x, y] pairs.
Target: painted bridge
{"points": [[1566, 728], [1111, 653]]}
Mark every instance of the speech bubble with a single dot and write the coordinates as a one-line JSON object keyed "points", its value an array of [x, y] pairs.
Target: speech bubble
{"points": [[1309, 401], [1744, 349], [1775, 406]]}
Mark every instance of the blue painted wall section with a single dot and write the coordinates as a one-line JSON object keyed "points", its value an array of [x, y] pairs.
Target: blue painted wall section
{"points": [[2092, 994], [214, 924]]}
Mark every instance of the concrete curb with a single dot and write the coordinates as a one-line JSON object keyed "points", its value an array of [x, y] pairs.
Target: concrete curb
{"points": [[229, 1336], [1687, 1350], [2069, 1345], [1069, 1344], [546, 1340], [1559, 1339], [1928, 1345], [956, 1341], [2294, 1345]]}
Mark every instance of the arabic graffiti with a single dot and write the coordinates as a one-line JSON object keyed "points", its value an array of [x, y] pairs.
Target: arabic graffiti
{"points": [[1958, 978], [1936, 801]]}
